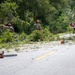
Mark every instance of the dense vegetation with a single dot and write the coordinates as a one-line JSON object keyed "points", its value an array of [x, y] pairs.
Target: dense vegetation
{"points": [[55, 17]]}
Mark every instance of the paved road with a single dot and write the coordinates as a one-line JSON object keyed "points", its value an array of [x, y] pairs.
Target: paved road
{"points": [[57, 60]]}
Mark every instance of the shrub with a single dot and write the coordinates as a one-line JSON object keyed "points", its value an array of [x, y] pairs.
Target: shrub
{"points": [[70, 29], [35, 36], [6, 37], [41, 35], [22, 36], [48, 36]]}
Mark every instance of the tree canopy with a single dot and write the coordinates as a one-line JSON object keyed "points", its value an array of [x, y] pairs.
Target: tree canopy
{"points": [[56, 15]]}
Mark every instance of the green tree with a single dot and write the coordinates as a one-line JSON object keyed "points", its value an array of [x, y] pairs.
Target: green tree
{"points": [[8, 10]]}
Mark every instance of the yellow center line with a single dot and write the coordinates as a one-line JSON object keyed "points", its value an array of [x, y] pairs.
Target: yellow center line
{"points": [[45, 55]]}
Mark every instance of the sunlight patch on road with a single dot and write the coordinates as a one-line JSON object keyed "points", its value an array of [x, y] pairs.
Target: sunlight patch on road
{"points": [[45, 55]]}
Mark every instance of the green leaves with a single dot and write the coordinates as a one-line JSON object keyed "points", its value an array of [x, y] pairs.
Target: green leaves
{"points": [[6, 37], [55, 14], [8, 10]]}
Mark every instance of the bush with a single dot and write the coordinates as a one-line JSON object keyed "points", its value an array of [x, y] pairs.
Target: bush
{"points": [[22, 36], [41, 35], [35, 36], [6, 37], [48, 36], [70, 29]]}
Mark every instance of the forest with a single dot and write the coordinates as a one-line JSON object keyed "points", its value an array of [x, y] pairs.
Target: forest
{"points": [[55, 17]]}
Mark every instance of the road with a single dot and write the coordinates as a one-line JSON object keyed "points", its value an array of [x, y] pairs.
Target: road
{"points": [[55, 60]]}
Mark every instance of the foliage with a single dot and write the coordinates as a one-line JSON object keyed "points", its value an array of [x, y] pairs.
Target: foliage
{"points": [[55, 16], [6, 37], [48, 36], [70, 29], [23, 25], [8, 11], [22, 36], [41, 35]]}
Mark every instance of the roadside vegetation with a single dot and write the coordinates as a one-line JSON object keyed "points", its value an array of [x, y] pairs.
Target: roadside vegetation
{"points": [[55, 17]]}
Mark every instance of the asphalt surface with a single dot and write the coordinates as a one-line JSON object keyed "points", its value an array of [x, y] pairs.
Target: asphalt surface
{"points": [[55, 60]]}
